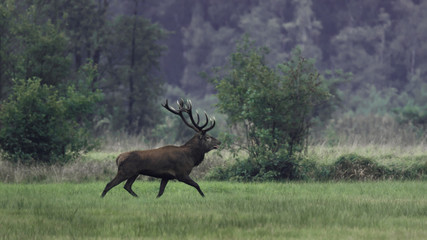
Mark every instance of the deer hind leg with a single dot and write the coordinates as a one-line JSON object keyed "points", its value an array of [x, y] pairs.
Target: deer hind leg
{"points": [[128, 185], [162, 187], [191, 182], [118, 179]]}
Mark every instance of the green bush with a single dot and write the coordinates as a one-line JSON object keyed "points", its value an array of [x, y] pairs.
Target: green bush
{"points": [[355, 167], [413, 108], [348, 167], [274, 108], [275, 105], [40, 125], [267, 167]]}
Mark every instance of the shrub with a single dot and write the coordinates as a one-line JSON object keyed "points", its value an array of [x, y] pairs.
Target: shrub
{"points": [[355, 167], [413, 108], [40, 125], [267, 168], [274, 107]]}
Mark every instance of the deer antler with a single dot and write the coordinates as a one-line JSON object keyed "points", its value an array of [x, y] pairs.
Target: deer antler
{"points": [[187, 108]]}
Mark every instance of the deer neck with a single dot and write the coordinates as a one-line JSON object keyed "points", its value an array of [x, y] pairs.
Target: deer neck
{"points": [[196, 151]]}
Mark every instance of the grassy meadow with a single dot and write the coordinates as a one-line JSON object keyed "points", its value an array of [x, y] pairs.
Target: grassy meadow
{"points": [[63, 202], [359, 210]]}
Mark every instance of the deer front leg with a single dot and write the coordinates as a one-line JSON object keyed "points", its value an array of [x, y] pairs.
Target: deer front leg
{"points": [[128, 185], [162, 187]]}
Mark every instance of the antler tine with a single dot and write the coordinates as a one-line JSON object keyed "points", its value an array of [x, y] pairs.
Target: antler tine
{"points": [[212, 120], [171, 109], [198, 117], [179, 112], [186, 106], [181, 104], [207, 121], [190, 113]]}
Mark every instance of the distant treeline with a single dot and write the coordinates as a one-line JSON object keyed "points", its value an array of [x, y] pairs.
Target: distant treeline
{"points": [[382, 43]]}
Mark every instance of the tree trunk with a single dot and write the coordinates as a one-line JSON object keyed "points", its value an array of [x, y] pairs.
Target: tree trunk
{"points": [[131, 76]]}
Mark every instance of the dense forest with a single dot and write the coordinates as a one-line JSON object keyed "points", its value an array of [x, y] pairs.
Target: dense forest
{"points": [[382, 43], [139, 52]]}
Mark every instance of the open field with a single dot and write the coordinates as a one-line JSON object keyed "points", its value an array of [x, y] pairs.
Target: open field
{"points": [[359, 210]]}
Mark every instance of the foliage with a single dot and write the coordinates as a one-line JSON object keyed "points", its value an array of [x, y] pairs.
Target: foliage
{"points": [[351, 167], [346, 167], [133, 51], [383, 43], [414, 114], [267, 167], [275, 106], [413, 108], [7, 38], [53, 41], [40, 125], [44, 53], [355, 167], [28, 49]]}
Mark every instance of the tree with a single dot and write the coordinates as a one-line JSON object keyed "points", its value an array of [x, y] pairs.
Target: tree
{"points": [[44, 53], [205, 47], [413, 108], [303, 30], [84, 24], [132, 52], [275, 106], [361, 49], [264, 23], [8, 59], [29, 49], [409, 46]]}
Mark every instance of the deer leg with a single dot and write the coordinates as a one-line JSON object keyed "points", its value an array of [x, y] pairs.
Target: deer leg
{"points": [[191, 182], [162, 187], [128, 185], [118, 179]]}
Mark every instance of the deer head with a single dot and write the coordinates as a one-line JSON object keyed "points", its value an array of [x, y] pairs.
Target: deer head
{"points": [[207, 141]]}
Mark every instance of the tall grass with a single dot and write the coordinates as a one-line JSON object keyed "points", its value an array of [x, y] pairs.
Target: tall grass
{"points": [[368, 130], [100, 165], [379, 138], [386, 154], [93, 166], [79, 171], [380, 210]]}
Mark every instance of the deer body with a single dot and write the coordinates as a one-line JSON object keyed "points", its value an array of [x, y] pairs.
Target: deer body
{"points": [[168, 162]]}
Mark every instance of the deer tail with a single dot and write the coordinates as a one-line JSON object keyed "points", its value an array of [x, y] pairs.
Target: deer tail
{"points": [[117, 160]]}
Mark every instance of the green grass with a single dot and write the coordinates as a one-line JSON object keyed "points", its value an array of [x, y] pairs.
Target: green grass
{"points": [[360, 210]]}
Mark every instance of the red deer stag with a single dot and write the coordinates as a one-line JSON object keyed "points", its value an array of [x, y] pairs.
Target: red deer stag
{"points": [[168, 162]]}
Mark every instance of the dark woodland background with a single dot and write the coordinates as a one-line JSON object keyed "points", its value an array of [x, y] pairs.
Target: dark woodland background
{"points": [[137, 53]]}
